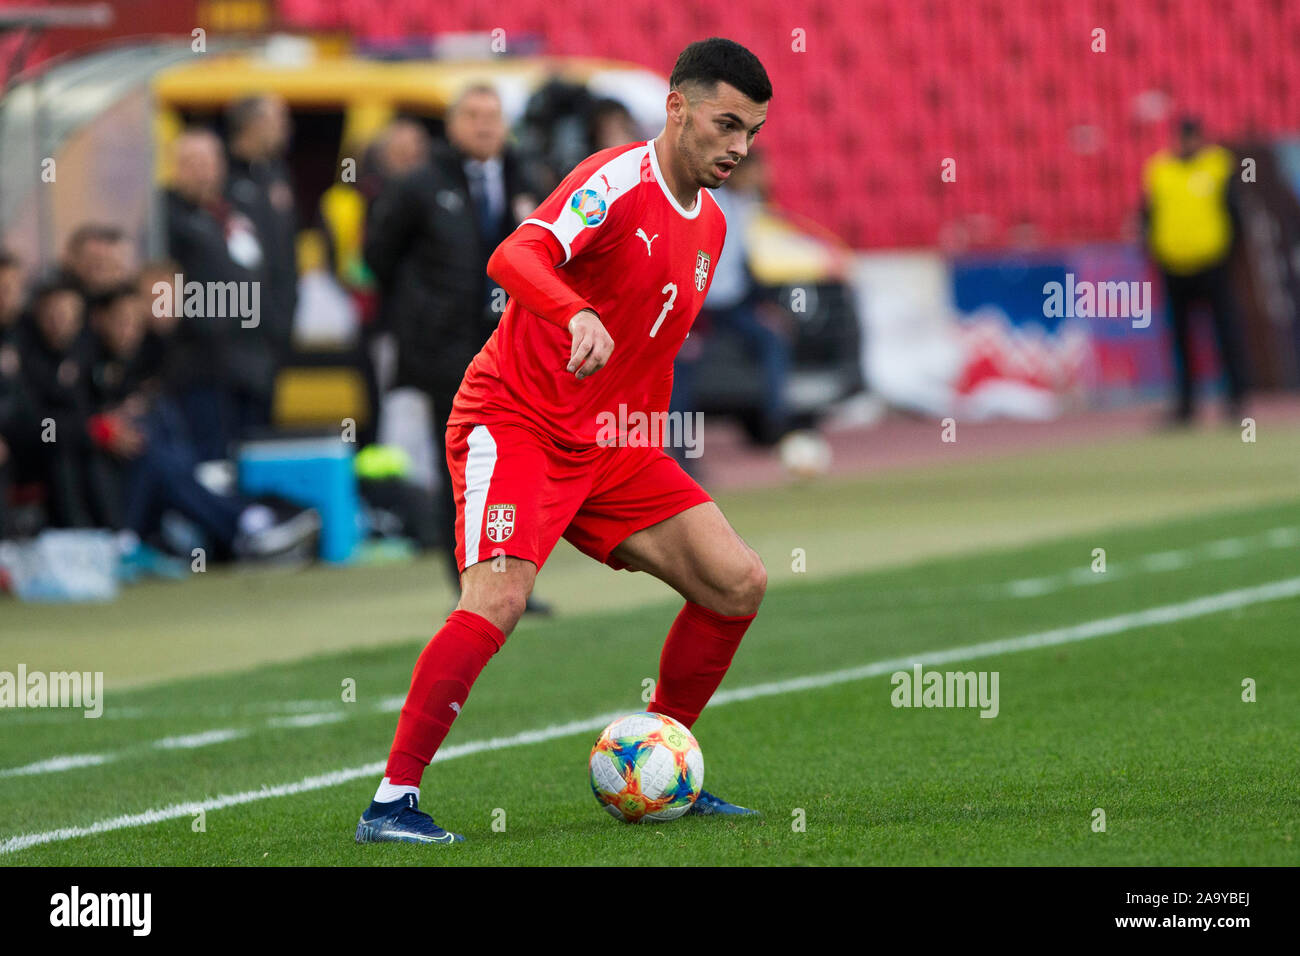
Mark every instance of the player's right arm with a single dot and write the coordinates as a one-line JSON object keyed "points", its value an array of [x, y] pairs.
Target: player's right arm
{"points": [[592, 344], [585, 212], [525, 266]]}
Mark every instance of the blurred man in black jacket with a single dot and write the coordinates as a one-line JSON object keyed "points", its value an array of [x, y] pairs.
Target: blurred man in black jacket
{"points": [[54, 360], [97, 258], [428, 239], [224, 369], [258, 185], [155, 471], [19, 428]]}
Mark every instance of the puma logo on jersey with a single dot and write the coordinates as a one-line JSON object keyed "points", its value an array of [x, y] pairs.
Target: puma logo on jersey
{"points": [[642, 236], [608, 187]]}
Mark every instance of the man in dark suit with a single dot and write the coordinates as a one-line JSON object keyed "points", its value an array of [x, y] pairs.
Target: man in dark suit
{"points": [[258, 185], [223, 372], [428, 239]]}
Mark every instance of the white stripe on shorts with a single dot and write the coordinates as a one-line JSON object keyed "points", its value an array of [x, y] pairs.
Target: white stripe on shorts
{"points": [[479, 465]]}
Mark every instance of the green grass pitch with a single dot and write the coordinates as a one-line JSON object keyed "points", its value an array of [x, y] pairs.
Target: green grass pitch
{"points": [[1145, 722]]}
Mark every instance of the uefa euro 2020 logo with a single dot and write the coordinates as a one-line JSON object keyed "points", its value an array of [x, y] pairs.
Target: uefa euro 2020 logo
{"points": [[589, 207]]}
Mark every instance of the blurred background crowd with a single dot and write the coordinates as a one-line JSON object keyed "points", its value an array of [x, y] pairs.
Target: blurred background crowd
{"points": [[124, 395], [332, 184]]}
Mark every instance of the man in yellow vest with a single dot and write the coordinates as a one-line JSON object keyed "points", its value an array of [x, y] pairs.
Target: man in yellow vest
{"points": [[1188, 219]]}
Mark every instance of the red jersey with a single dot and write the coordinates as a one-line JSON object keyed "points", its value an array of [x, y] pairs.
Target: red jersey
{"points": [[613, 239]]}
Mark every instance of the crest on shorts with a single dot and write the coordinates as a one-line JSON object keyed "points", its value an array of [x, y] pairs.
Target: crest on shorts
{"points": [[500, 522], [701, 269]]}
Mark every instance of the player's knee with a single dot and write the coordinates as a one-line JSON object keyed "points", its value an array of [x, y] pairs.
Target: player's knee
{"points": [[746, 591], [502, 605], [755, 584], [509, 607], [500, 598]]}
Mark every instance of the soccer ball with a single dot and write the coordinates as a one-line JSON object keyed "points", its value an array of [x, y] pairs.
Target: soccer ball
{"points": [[646, 767]]}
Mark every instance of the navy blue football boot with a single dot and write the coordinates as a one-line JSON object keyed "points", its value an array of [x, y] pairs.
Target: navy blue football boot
{"points": [[401, 822], [706, 804]]}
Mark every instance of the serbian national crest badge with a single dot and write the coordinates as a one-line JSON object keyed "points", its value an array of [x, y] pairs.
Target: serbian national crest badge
{"points": [[500, 522], [701, 269]]}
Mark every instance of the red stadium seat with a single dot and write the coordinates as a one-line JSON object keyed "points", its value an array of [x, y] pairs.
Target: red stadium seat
{"points": [[997, 84]]}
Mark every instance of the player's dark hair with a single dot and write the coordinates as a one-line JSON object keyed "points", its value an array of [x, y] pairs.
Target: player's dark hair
{"points": [[719, 60]]}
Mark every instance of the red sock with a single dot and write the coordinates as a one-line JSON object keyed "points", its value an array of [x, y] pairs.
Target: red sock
{"points": [[447, 668], [695, 658]]}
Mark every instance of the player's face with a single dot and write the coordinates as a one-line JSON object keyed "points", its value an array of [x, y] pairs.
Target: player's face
{"points": [[717, 132]]}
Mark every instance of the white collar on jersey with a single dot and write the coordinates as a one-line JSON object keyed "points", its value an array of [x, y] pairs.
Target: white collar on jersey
{"points": [[659, 178]]}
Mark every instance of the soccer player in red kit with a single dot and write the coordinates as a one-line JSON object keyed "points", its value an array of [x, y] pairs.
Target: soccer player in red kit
{"points": [[604, 282]]}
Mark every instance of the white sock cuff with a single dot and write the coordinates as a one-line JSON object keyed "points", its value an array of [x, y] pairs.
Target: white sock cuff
{"points": [[388, 792]]}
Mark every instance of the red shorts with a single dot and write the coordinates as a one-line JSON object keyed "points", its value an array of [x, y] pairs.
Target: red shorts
{"points": [[518, 493]]}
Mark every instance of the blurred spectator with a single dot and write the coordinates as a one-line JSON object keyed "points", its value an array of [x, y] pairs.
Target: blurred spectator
{"points": [[11, 292], [403, 147], [224, 372], [428, 239], [554, 133], [258, 185], [609, 124], [161, 319], [54, 352], [343, 215], [17, 424], [97, 258], [1188, 219], [154, 462], [734, 306], [342, 220], [9, 397]]}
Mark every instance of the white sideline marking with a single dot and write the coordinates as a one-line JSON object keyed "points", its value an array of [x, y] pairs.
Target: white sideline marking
{"points": [[1282, 537], [1166, 614], [55, 764], [1159, 561], [307, 720], [219, 711], [204, 739], [1165, 561]]}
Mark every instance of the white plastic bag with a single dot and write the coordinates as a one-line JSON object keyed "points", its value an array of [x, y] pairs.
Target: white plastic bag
{"points": [[61, 566]]}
